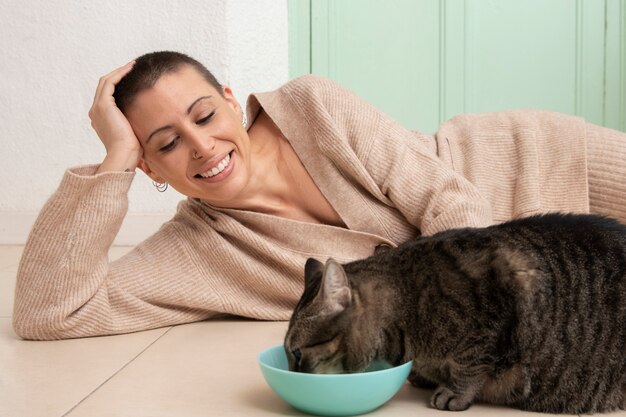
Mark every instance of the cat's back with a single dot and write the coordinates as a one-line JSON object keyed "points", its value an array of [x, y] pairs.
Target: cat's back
{"points": [[573, 255], [567, 264], [586, 230], [541, 231], [557, 243]]}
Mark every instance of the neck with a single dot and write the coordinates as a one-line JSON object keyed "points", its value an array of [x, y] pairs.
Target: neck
{"points": [[270, 182]]}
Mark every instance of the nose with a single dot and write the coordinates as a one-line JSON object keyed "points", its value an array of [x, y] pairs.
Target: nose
{"points": [[298, 357], [201, 145]]}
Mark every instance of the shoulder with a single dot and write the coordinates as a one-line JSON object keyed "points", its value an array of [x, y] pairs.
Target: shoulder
{"points": [[511, 120], [316, 90], [311, 82], [308, 96]]}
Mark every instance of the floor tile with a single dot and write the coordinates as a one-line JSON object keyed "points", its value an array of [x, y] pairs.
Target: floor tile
{"points": [[10, 255], [48, 379], [117, 252], [7, 290]]}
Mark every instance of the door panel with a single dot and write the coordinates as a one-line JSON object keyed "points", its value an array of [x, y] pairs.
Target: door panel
{"points": [[423, 61], [383, 50]]}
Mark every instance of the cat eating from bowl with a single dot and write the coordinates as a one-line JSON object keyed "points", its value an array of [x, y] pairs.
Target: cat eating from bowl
{"points": [[530, 314]]}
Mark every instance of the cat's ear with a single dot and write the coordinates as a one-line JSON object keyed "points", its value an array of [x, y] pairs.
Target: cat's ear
{"points": [[335, 287], [313, 270]]}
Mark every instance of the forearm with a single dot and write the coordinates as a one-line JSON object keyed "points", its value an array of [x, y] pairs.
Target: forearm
{"points": [[65, 258], [429, 194], [434, 198]]}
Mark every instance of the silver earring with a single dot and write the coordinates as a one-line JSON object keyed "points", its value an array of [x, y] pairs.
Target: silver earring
{"points": [[244, 119], [161, 187]]}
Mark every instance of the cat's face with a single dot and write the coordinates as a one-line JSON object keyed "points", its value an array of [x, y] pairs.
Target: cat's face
{"points": [[320, 325]]}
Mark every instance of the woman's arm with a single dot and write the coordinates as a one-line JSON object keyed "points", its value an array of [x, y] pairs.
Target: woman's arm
{"points": [[66, 286], [427, 191]]}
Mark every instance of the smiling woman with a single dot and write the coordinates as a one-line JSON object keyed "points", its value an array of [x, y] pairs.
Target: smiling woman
{"points": [[317, 172]]}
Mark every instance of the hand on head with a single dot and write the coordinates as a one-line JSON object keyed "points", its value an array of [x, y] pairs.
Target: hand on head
{"points": [[122, 146]]}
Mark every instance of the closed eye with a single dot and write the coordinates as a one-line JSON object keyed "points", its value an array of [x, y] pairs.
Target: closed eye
{"points": [[205, 119], [320, 344], [170, 145]]}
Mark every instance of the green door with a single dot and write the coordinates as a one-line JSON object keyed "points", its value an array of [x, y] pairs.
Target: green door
{"points": [[423, 61]]}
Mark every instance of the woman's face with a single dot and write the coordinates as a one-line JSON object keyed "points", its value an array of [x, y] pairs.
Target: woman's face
{"points": [[192, 137]]}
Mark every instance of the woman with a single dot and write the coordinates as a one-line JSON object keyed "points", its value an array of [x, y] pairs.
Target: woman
{"points": [[317, 173]]}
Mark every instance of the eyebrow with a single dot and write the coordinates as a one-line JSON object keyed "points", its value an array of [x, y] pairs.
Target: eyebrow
{"points": [[159, 130]]}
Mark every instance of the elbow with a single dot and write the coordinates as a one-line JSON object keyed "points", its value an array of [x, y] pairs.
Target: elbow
{"points": [[24, 330], [49, 326], [32, 321], [30, 329], [31, 326]]}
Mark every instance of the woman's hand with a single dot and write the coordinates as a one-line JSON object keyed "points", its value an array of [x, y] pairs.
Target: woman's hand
{"points": [[122, 146]]}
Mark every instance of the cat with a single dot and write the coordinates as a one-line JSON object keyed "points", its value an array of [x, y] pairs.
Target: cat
{"points": [[530, 313]]}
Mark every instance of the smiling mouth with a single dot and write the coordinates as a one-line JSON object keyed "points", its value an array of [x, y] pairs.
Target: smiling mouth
{"points": [[221, 166]]}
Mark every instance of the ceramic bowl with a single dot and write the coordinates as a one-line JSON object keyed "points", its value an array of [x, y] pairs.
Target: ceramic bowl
{"points": [[331, 394]]}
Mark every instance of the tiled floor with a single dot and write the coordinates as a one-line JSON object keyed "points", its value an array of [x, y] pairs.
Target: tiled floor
{"points": [[200, 369]]}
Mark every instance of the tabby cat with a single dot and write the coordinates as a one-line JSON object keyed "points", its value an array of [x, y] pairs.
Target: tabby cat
{"points": [[530, 313]]}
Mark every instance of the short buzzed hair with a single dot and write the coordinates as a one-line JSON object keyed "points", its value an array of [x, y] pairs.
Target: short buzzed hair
{"points": [[149, 68]]}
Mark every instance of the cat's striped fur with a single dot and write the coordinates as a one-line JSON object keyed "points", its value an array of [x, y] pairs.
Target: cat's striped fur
{"points": [[530, 313]]}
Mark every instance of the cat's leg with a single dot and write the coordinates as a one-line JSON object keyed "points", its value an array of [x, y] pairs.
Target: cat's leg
{"points": [[507, 387], [455, 396], [437, 375], [606, 153], [463, 385]]}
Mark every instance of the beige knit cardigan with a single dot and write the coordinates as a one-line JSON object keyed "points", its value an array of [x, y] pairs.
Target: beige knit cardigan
{"points": [[387, 184]]}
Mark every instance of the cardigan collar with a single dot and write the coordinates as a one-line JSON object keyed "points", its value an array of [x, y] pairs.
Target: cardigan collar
{"points": [[340, 192]]}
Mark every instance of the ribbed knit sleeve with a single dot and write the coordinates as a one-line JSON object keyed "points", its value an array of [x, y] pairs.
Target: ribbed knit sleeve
{"points": [[426, 191], [66, 286]]}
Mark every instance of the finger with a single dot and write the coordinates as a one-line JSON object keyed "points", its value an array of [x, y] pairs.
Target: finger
{"points": [[116, 75], [111, 79], [107, 83]]}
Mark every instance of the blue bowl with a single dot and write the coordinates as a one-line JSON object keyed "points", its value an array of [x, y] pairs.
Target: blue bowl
{"points": [[331, 394]]}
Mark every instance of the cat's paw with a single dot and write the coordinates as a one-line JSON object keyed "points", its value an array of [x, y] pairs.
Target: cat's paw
{"points": [[445, 399]]}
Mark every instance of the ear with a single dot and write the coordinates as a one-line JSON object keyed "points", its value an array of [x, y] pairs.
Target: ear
{"points": [[336, 293], [231, 100], [313, 270], [145, 167]]}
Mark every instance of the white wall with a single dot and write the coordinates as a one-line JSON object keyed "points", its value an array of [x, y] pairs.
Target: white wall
{"points": [[54, 52]]}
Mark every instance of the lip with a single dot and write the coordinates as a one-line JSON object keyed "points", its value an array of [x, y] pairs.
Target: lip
{"points": [[213, 163]]}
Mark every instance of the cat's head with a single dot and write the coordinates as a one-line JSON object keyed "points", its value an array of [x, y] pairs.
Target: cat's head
{"points": [[319, 333]]}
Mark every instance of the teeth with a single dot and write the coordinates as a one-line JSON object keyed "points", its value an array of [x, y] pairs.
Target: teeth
{"points": [[217, 169]]}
